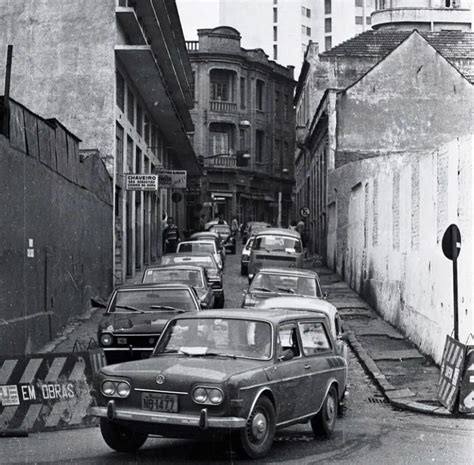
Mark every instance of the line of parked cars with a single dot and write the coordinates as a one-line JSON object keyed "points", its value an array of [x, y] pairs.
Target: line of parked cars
{"points": [[195, 371]]}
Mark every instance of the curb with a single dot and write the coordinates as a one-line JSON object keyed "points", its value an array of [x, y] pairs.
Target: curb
{"points": [[398, 398]]}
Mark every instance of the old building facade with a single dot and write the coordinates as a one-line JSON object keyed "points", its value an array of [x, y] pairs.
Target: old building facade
{"points": [[122, 84], [244, 122]]}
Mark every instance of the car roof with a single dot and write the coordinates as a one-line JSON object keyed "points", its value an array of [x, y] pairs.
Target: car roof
{"points": [[290, 272], [302, 303], [274, 316], [176, 266], [206, 241], [184, 254], [279, 232], [205, 233], [144, 286]]}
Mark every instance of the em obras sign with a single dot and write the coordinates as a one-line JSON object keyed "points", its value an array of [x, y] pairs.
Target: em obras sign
{"points": [[142, 182]]}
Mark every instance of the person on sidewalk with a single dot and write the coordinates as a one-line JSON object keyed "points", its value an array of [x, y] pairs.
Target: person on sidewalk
{"points": [[170, 237]]}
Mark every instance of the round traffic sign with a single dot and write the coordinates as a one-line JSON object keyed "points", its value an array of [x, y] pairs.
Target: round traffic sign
{"points": [[176, 197], [451, 243], [305, 212]]}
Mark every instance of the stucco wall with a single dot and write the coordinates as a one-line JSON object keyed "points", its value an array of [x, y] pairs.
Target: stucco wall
{"points": [[391, 213], [62, 205], [64, 63]]}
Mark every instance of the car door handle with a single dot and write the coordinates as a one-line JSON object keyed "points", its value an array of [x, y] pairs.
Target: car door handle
{"points": [[307, 367]]}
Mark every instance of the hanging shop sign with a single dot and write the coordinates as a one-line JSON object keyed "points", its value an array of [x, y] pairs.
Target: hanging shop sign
{"points": [[142, 182], [172, 179]]}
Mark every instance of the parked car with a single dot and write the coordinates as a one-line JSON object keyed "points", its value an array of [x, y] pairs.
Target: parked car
{"points": [[213, 222], [252, 228], [212, 236], [244, 259], [316, 305], [243, 372], [192, 275], [228, 238], [276, 247], [270, 282], [208, 246], [214, 272], [135, 316]]}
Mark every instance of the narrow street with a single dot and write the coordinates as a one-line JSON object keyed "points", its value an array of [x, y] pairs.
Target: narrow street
{"points": [[366, 434]]}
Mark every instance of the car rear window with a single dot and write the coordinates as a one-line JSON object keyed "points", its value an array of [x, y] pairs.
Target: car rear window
{"points": [[275, 243], [195, 247], [207, 262], [164, 276]]}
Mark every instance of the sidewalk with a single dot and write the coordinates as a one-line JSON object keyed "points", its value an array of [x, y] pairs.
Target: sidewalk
{"points": [[407, 378]]}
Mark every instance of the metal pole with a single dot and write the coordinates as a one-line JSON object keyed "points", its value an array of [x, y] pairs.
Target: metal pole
{"points": [[279, 209], [454, 242], [6, 94]]}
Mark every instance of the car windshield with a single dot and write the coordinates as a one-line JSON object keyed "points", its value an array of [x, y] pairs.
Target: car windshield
{"points": [[152, 300], [275, 243], [217, 336], [163, 276], [282, 284], [207, 262], [207, 247]]}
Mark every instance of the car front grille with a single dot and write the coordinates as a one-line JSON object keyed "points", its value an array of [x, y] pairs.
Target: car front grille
{"points": [[134, 340]]}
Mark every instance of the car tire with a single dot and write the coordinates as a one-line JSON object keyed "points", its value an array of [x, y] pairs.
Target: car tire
{"points": [[121, 438], [256, 438], [243, 270], [324, 422], [220, 302]]}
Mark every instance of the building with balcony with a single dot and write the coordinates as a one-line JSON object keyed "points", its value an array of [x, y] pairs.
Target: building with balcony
{"points": [[117, 74], [243, 108]]}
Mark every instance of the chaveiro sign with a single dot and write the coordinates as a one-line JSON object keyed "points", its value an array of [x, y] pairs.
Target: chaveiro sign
{"points": [[142, 182]]}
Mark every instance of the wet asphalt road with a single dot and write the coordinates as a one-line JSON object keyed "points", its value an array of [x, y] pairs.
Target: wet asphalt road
{"points": [[370, 432]]}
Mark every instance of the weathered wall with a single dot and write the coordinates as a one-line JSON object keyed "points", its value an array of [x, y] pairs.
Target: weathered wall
{"points": [[391, 213], [64, 63], [65, 207], [396, 106]]}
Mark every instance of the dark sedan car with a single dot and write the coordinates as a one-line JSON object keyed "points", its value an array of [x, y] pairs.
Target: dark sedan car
{"points": [[192, 275], [207, 261], [271, 282], [135, 317], [242, 374]]}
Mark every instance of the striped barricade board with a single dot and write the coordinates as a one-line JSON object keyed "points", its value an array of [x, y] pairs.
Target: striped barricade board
{"points": [[466, 393], [42, 392], [451, 372]]}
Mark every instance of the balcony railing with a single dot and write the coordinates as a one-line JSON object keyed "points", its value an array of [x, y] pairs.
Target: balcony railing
{"points": [[225, 162], [192, 45], [223, 107]]}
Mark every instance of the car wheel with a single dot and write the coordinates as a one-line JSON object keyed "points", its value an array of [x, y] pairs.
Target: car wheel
{"points": [[324, 422], [121, 438], [256, 438]]}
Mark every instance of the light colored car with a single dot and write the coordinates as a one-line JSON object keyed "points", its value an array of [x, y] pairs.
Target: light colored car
{"points": [[201, 246], [312, 304], [245, 373], [276, 247], [244, 259]]}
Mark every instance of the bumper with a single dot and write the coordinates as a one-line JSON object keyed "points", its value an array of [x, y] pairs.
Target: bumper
{"points": [[201, 421]]}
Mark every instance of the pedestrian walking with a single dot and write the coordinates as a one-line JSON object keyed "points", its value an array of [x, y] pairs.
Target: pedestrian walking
{"points": [[170, 237], [234, 225], [202, 223]]}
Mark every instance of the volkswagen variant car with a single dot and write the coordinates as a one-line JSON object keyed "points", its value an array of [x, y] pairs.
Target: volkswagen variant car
{"points": [[228, 239], [237, 373], [135, 317], [192, 275], [201, 246], [214, 272], [208, 235], [276, 247], [271, 282]]}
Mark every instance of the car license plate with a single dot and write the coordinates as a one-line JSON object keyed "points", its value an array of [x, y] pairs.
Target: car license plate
{"points": [[160, 402]]}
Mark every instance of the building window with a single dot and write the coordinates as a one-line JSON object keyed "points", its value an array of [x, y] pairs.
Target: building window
{"points": [[275, 15], [259, 146], [275, 52], [359, 20], [328, 25], [359, 2], [286, 107], [147, 130], [286, 155], [327, 7], [242, 93], [303, 29], [139, 120], [275, 2], [275, 33], [308, 13], [129, 154], [119, 148], [308, 31], [368, 20], [260, 95], [130, 107], [221, 139], [277, 104], [222, 85], [303, 11], [192, 86], [120, 91], [327, 43]]}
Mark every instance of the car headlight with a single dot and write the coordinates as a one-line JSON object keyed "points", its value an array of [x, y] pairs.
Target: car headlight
{"points": [[112, 388], [208, 395], [106, 339]]}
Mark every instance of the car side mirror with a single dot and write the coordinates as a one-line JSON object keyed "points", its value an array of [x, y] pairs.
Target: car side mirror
{"points": [[97, 303], [344, 336], [286, 355]]}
